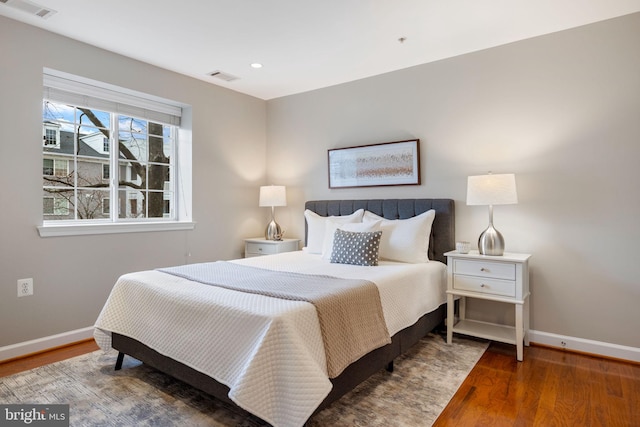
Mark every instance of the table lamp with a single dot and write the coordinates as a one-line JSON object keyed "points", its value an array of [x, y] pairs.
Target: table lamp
{"points": [[499, 189], [272, 196]]}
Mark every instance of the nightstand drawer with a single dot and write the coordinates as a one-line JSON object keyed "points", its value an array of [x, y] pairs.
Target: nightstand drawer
{"points": [[261, 249], [494, 270], [484, 285]]}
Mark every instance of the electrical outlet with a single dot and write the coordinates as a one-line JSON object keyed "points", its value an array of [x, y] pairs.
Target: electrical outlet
{"points": [[25, 287]]}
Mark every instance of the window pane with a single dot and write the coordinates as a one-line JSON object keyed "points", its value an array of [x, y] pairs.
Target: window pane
{"points": [[89, 203], [56, 207], [168, 137], [133, 146], [91, 142], [131, 124], [53, 184], [61, 207], [132, 204], [90, 173], [156, 204], [155, 129], [159, 152], [54, 112], [131, 174], [97, 118], [157, 177]]}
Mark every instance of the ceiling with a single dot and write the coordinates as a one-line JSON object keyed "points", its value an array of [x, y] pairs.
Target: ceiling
{"points": [[303, 44]]}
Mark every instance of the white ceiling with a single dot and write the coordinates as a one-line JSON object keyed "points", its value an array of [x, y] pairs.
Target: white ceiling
{"points": [[305, 44]]}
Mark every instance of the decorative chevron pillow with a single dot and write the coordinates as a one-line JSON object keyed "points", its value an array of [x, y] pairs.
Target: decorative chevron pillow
{"points": [[357, 248]]}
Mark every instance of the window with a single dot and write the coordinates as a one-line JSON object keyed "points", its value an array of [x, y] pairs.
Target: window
{"points": [[86, 182], [50, 137], [47, 167], [145, 152], [55, 167]]}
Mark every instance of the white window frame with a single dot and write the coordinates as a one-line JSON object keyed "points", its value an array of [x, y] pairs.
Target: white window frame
{"points": [[75, 90]]}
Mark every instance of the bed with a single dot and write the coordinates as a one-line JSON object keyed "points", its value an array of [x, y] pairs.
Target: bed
{"points": [[299, 383]]}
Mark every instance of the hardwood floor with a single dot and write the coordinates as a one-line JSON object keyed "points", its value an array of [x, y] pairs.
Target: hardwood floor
{"points": [[44, 358], [550, 388]]}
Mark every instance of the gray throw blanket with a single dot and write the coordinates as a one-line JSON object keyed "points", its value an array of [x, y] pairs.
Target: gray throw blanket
{"points": [[349, 310]]}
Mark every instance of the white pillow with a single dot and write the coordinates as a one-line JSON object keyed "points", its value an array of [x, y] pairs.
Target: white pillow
{"points": [[316, 227], [404, 240], [330, 230]]}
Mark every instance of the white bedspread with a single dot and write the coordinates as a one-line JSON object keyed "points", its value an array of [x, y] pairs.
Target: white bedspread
{"points": [[268, 351]]}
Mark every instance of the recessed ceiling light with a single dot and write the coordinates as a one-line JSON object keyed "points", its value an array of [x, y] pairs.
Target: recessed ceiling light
{"points": [[256, 65]]}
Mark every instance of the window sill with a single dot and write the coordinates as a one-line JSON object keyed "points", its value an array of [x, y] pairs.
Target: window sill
{"points": [[58, 230]]}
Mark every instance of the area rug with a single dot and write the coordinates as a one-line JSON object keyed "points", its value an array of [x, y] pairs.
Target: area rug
{"points": [[423, 382]]}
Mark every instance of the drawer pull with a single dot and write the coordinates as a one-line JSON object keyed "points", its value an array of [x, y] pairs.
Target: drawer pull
{"points": [[483, 269], [482, 285]]}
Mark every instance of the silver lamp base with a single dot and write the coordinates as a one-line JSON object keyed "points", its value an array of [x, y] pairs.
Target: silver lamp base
{"points": [[491, 242], [273, 231]]}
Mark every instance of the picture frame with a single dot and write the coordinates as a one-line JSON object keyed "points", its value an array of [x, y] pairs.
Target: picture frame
{"points": [[387, 163]]}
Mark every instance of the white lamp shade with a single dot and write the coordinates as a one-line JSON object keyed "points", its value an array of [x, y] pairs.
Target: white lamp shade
{"points": [[273, 195], [492, 189]]}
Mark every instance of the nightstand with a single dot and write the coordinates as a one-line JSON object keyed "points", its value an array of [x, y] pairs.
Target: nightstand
{"points": [[496, 278], [259, 246]]}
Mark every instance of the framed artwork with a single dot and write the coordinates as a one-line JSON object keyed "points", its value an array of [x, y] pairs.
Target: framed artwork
{"points": [[389, 163]]}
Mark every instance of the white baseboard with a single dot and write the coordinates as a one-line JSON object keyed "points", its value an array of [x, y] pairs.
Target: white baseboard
{"points": [[597, 348], [41, 344]]}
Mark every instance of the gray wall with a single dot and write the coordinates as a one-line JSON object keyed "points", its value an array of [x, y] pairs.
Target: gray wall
{"points": [[73, 275], [560, 111]]}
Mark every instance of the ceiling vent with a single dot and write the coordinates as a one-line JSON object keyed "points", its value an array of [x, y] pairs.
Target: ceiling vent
{"points": [[223, 76], [30, 8]]}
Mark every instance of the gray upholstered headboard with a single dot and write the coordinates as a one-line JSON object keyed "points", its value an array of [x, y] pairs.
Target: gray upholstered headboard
{"points": [[442, 232]]}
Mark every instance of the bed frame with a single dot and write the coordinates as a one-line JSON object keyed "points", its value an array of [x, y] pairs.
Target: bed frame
{"points": [[442, 240]]}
